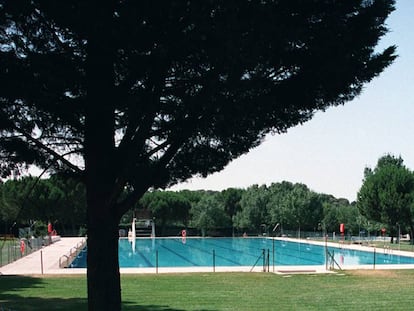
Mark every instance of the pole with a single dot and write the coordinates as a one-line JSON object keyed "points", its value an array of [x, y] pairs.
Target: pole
{"points": [[41, 261], [273, 257], [326, 252], [268, 261], [273, 245], [214, 260], [264, 260], [156, 261]]}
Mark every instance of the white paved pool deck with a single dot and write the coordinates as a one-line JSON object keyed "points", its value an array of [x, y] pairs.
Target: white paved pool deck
{"points": [[50, 255]]}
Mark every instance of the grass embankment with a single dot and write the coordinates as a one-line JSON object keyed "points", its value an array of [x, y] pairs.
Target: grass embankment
{"points": [[352, 290]]}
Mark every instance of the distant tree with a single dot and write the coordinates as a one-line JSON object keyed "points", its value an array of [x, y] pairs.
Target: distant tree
{"points": [[304, 209], [294, 206], [68, 199], [20, 198], [9, 209], [387, 194], [253, 214], [279, 212], [277, 209], [331, 211], [144, 94], [192, 196], [338, 211], [209, 213], [56, 199], [167, 207], [231, 200]]}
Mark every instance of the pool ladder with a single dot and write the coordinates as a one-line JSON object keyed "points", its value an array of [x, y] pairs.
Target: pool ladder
{"points": [[66, 260]]}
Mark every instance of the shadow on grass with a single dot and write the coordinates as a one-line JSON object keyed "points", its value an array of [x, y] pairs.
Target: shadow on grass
{"points": [[20, 293], [127, 307], [19, 303], [17, 293]]}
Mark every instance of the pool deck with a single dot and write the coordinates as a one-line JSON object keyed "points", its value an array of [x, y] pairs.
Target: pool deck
{"points": [[361, 247], [50, 255]]}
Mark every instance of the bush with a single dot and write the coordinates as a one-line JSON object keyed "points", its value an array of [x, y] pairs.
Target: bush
{"points": [[39, 229]]}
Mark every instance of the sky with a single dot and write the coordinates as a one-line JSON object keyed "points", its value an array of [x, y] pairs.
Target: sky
{"points": [[329, 152]]}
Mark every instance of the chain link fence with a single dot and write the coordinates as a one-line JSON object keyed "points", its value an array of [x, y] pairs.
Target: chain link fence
{"points": [[12, 249]]}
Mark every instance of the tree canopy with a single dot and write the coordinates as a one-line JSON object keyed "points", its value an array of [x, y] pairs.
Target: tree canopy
{"points": [[144, 94], [58, 200], [166, 207], [387, 194]]}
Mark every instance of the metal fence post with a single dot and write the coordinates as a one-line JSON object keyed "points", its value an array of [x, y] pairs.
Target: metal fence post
{"points": [[41, 261], [264, 259], [268, 260], [156, 261], [214, 260]]}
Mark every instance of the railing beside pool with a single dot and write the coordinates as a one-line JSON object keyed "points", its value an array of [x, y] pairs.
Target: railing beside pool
{"points": [[67, 259]]}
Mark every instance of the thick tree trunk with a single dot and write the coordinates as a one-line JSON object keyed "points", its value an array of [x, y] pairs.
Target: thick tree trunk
{"points": [[104, 287]]}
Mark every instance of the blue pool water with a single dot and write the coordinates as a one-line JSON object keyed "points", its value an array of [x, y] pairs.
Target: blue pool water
{"points": [[198, 252]]}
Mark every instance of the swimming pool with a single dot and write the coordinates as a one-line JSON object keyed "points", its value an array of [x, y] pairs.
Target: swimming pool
{"points": [[232, 252]]}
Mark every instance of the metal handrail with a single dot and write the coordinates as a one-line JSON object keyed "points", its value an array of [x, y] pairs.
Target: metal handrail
{"points": [[73, 252], [60, 261]]}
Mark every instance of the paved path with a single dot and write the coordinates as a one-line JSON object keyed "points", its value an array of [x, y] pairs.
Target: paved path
{"points": [[32, 263]]}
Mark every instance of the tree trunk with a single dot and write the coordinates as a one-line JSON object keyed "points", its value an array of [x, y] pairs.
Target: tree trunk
{"points": [[104, 288], [104, 285]]}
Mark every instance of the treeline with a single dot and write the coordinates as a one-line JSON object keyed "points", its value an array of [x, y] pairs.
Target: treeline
{"points": [[385, 204], [32, 203], [255, 210], [61, 201]]}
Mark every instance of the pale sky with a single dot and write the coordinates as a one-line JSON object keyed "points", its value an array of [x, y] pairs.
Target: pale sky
{"points": [[329, 153]]}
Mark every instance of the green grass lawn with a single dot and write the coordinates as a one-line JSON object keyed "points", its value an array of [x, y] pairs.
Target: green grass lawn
{"points": [[351, 290]]}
